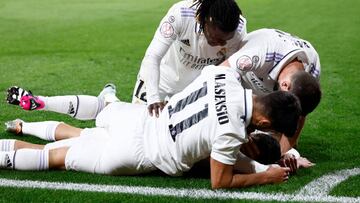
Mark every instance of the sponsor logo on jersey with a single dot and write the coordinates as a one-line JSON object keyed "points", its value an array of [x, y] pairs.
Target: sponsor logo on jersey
{"points": [[220, 99], [258, 83], [185, 41], [244, 63], [196, 62], [167, 30]]}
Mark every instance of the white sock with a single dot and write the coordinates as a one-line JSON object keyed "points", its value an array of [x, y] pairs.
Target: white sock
{"points": [[7, 145], [25, 159], [82, 107], [44, 130]]}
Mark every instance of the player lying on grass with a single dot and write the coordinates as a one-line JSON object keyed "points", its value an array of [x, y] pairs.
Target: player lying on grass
{"points": [[268, 60], [271, 60], [86, 107], [209, 118], [192, 35]]}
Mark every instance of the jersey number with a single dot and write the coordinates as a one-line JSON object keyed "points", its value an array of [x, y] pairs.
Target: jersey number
{"points": [[195, 118]]}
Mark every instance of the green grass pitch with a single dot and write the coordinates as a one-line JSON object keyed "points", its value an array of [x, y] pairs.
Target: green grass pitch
{"points": [[62, 47]]}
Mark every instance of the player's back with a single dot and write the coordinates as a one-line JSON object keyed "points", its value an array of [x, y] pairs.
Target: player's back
{"points": [[198, 121], [265, 52]]}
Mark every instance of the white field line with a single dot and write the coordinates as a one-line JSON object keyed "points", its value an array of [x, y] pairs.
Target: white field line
{"points": [[304, 195], [323, 185]]}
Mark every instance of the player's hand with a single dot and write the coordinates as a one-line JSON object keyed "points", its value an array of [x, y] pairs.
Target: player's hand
{"points": [[156, 108], [289, 160], [303, 162], [277, 174]]}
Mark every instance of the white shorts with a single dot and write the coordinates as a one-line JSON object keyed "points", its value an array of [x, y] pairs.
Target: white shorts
{"points": [[115, 146], [139, 92]]}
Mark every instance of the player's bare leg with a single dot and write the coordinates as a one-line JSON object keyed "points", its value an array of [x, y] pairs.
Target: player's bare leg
{"points": [[12, 145], [57, 158], [65, 131], [47, 130], [26, 145]]}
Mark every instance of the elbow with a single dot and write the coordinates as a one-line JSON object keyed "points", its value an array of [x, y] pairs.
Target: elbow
{"points": [[215, 187], [219, 185]]}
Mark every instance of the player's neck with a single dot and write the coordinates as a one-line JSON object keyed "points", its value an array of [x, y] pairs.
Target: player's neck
{"points": [[291, 68]]}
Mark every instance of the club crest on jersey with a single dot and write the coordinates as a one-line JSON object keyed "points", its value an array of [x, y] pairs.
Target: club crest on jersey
{"points": [[222, 53], [167, 30], [244, 63]]}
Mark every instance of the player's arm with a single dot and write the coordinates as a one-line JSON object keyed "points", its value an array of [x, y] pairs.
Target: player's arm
{"points": [[287, 143], [169, 27], [151, 63], [222, 176]]}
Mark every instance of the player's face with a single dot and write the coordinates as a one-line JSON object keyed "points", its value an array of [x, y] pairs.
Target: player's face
{"points": [[250, 149], [216, 37]]}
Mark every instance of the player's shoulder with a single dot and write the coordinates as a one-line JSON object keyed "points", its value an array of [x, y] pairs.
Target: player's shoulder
{"points": [[219, 70], [183, 13], [242, 24], [185, 8], [262, 33]]}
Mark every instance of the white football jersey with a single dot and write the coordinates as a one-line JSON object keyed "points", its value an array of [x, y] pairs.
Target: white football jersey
{"points": [[187, 50], [265, 52], [208, 118]]}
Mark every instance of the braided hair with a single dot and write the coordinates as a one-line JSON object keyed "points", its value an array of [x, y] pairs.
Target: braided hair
{"points": [[224, 14]]}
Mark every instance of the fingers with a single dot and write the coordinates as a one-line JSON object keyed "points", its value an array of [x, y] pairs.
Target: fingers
{"points": [[286, 178], [287, 171], [303, 162], [292, 164], [156, 108], [289, 161], [150, 109]]}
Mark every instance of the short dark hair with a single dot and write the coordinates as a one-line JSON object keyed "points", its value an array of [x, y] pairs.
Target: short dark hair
{"points": [[268, 147], [307, 89], [282, 109], [225, 14]]}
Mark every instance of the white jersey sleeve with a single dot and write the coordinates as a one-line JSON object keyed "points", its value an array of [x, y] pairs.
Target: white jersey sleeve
{"points": [[225, 149], [168, 30], [246, 165]]}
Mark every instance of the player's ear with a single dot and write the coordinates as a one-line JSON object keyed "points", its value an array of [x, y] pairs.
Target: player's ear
{"points": [[264, 123], [285, 85]]}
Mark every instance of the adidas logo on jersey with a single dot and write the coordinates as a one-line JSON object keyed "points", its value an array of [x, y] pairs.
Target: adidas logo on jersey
{"points": [[186, 42]]}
